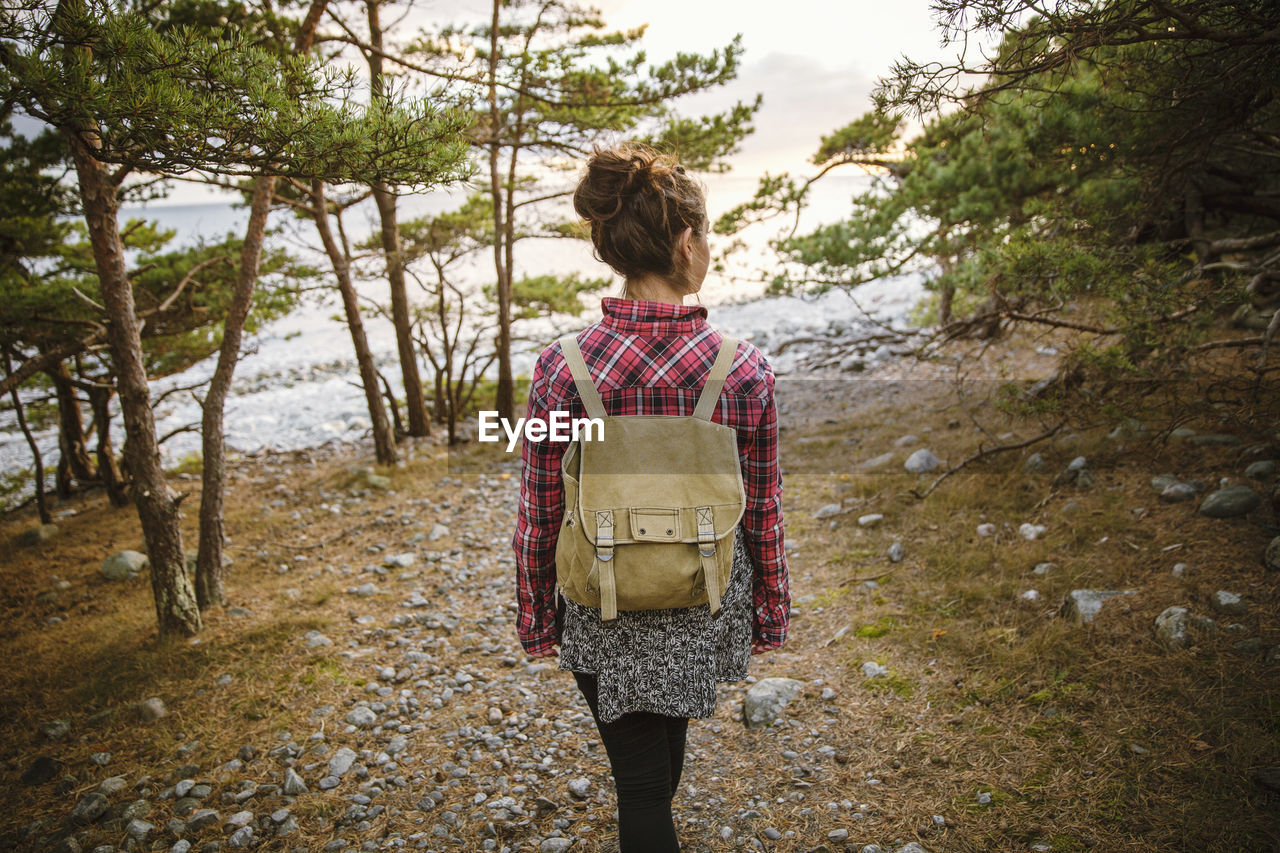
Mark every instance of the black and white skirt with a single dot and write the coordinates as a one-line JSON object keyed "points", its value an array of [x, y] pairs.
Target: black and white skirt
{"points": [[664, 661]]}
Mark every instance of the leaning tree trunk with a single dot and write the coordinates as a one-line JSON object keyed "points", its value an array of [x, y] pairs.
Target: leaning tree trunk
{"points": [[504, 400], [384, 444], [414, 400], [42, 505], [210, 589], [158, 506], [109, 473]]}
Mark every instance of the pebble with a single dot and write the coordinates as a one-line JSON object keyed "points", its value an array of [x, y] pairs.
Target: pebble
{"points": [[293, 783], [1229, 603], [580, 787], [152, 709], [1031, 532], [555, 845], [342, 760], [896, 552], [986, 529], [1230, 502], [871, 669], [315, 640], [828, 511], [838, 835], [921, 462], [362, 716], [765, 700], [89, 808], [870, 519]]}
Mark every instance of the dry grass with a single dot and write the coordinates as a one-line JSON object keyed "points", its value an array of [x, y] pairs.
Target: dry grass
{"points": [[986, 693]]}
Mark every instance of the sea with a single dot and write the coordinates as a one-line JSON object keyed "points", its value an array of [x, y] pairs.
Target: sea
{"points": [[297, 384]]}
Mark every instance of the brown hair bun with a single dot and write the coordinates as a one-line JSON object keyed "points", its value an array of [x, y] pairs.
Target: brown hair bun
{"points": [[637, 202]]}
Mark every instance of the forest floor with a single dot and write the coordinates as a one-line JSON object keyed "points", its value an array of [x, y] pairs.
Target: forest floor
{"points": [[369, 654]]}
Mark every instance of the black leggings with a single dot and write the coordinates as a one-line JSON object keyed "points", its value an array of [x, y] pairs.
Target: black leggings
{"points": [[646, 754]]}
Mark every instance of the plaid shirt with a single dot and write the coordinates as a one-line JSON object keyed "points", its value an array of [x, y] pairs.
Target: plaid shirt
{"points": [[651, 358]]}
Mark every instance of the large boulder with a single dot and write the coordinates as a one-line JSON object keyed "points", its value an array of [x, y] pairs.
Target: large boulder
{"points": [[1230, 502]]}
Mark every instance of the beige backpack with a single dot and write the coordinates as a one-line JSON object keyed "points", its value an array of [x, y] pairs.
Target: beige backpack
{"points": [[652, 509]]}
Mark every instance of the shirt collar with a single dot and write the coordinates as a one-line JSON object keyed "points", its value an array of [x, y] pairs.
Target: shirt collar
{"points": [[652, 318]]}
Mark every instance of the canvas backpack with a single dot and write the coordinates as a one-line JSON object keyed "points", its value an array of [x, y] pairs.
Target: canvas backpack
{"points": [[651, 508]]}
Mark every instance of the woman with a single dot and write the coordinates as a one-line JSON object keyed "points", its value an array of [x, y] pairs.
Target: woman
{"points": [[646, 673]]}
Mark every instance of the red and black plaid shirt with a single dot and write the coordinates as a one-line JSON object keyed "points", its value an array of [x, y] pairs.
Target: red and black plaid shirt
{"points": [[651, 358]]}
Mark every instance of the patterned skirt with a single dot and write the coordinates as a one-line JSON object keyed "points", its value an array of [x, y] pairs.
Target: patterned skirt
{"points": [[664, 661]]}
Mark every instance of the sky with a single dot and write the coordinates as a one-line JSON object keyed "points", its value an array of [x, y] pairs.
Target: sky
{"points": [[814, 61]]}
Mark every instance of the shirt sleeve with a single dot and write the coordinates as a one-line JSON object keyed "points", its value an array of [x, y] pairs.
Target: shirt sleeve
{"points": [[763, 525], [538, 526]]}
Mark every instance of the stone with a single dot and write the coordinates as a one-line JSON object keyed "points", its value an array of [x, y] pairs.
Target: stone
{"points": [[438, 531], [152, 709], [402, 561], [1263, 469], [1230, 502], [238, 820], [1082, 605], [123, 565], [38, 535], [838, 835], [138, 829], [580, 787], [1215, 440], [112, 785], [366, 590], [88, 808], [1271, 556], [182, 845], [1173, 628], [1035, 463], [1044, 568], [870, 519], [906, 441], [1160, 482], [871, 669], [922, 461], [896, 552], [362, 716], [986, 529], [43, 769], [316, 640], [1229, 603], [56, 729], [828, 511], [342, 760], [555, 845], [201, 819], [766, 698], [293, 783], [241, 838], [1178, 493], [1031, 532], [913, 847], [877, 461]]}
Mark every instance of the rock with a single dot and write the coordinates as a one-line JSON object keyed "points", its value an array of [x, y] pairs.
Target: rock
{"points": [[182, 845], [870, 519], [238, 821], [877, 461], [342, 760], [112, 785], [152, 709], [402, 561], [1177, 493], [102, 759], [43, 769], [922, 461], [986, 529], [580, 787], [241, 838], [399, 743], [293, 783], [1044, 568], [88, 808], [906, 441], [913, 847], [123, 565], [362, 716], [38, 535], [1263, 469], [1173, 628], [871, 669], [1215, 440], [555, 845], [56, 729], [1271, 556], [366, 590], [828, 511], [1035, 463], [1250, 646], [1083, 604], [201, 819], [1228, 603], [1160, 482], [984, 798], [438, 531], [316, 640], [838, 835], [138, 829], [1031, 532], [896, 552], [766, 698], [1231, 502]]}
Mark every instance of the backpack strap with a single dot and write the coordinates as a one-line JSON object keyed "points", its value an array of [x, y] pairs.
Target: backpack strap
{"points": [[707, 551], [715, 379], [582, 378]]}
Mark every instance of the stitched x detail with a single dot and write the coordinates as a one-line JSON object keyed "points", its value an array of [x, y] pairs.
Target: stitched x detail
{"points": [[704, 515]]}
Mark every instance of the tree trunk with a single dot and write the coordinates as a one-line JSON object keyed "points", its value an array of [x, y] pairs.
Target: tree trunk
{"points": [[75, 464], [210, 586], [42, 505], [210, 589], [158, 506], [383, 441], [416, 404], [109, 473], [504, 400]]}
